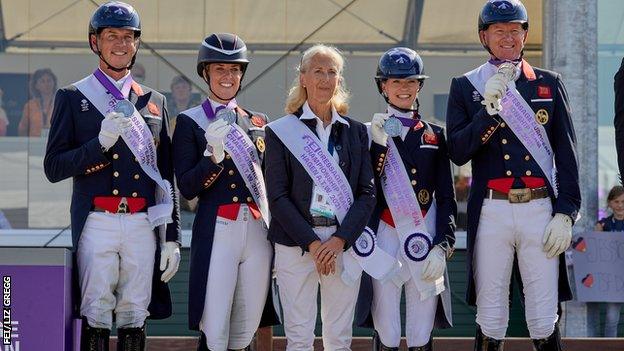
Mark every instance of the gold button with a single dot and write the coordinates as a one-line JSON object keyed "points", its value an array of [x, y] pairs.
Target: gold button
{"points": [[88, 171], [508, 173], [527, 157], [136, 160], [228, 156], [97, 167], [492, 128], [206, 184], [115, 174], [115, 192], [381, 159], [483, 139], [115, 156], [527, 173], [503, 125], [504, 141], [134, 194], [378, 169], [382, 155], [136, 176], [233, 186], [235, 199], [413, 182], [231, 172], [413, 171], [506, 157], [249, 199]]}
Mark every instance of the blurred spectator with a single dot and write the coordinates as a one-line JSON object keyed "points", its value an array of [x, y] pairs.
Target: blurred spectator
{"points": [[4, 222], [138, 73], [181, 98], [612, 223], [38, 110], [4, 121], [462, 188]]}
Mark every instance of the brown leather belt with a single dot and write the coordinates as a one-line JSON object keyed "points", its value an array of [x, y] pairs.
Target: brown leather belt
{"points": [[518, 195], [320, 221]]}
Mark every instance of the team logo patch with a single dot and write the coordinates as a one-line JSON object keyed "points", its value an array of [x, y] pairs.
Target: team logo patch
{"points": [[417, 246], [430, 138], [541, 116], [423, 196], [476, 96], [257, 121], [84, 105], [365, 244], [543, 91], [153, 109], [260, 144]]}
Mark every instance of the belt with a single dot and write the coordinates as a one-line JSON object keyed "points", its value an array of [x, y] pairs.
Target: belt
{"points": [[119, 204], [320, 221], [518, 195]]}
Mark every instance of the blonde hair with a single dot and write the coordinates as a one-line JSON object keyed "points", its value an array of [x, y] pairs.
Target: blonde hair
{"points": [[297, 95]]}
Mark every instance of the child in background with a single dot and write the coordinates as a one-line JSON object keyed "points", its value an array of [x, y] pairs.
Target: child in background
{"points": [[612, 223]]}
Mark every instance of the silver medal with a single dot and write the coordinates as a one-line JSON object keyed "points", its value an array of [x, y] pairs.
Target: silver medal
{"points": [[124, 107], [393, 127], [228, 115], [508, 70]]}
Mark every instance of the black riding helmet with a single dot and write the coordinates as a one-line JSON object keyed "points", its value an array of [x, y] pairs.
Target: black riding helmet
{"points": [[222, 48], [114, 14]]}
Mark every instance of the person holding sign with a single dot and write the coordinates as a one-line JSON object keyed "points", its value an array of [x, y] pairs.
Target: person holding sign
{"points": [[110, 135], [415, 204], [612, 223], [512, 121], [321, 195], [218, 150]]}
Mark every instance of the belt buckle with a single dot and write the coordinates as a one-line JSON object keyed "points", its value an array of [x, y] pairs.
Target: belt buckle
{"points": [[123, 206], [519, 195]]}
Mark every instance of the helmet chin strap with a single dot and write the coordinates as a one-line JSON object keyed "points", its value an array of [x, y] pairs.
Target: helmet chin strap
{"points": [[405, 110]]}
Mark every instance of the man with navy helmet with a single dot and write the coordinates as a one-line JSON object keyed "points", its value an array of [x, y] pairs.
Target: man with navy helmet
{"points": [[512, 121], [110, 135], [218, 153], [416, 205]]}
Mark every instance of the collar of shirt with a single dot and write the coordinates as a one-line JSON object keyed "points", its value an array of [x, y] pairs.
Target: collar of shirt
{"points": [[394, 112], [118, 83], [308, 114]]}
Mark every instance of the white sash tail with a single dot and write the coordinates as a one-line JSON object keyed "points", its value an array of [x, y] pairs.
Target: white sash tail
{"points": [[414, 237]]}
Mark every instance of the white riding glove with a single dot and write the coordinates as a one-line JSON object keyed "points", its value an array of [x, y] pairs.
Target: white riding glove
{"points": [[557, 235], [378, 133], [215, 133], [110, 129], [495, 88], [435, 264], [169, 259]]}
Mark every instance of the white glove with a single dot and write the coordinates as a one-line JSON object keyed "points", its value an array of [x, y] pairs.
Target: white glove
{"points": [[558, 235], [110, 129], [169, 259], [435, 264], [215, 133], [495, 88], [378, 133]]}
